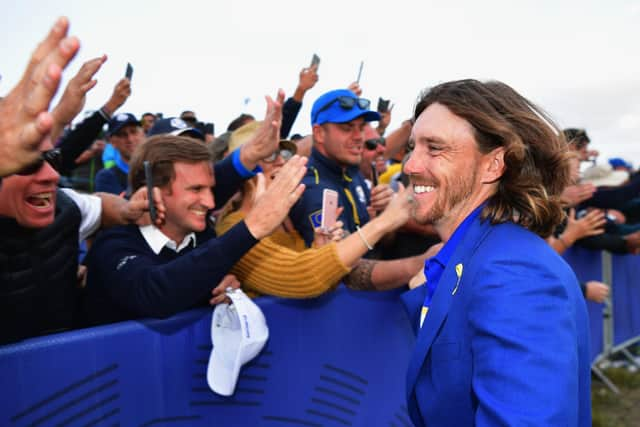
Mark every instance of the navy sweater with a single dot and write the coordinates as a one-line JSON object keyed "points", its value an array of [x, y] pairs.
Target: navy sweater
{"points": [[127, 280]]}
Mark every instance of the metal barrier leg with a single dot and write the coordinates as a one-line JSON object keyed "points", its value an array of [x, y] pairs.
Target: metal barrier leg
{"points": [[630, 357], [607, 325], [607, 313], [602, 377]]}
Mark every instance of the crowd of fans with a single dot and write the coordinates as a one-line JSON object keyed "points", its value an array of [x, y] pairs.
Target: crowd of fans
{"points": [[241, 208]]}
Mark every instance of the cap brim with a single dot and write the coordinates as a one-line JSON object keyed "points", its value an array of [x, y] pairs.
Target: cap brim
{"points": [[121, 125], [613, 179], [191, 132], [347, 116]]}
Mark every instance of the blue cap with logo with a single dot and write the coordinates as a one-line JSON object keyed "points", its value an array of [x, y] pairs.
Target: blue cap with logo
{"points": [[341, 106], [121, 120], [174, 126]]}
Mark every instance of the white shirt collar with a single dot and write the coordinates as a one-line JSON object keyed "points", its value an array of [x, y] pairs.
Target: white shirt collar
{"points": [[157, 240]]}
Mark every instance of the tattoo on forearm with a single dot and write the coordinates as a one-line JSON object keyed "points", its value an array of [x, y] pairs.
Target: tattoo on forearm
{"points": [[360, 277]]}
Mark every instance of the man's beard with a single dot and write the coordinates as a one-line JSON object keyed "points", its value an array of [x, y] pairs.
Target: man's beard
{"points": [[459, 189]]}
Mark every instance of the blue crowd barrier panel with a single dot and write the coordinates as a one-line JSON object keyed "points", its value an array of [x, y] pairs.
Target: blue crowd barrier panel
{"points": [[339, 359], [614, 325], [588, 266], [626, 300]]}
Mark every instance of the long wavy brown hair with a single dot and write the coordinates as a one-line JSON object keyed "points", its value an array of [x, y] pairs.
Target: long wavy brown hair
{"points": [[536, 157]]}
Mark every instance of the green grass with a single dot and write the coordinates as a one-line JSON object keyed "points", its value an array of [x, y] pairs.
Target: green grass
{"points": [[616, 410]]}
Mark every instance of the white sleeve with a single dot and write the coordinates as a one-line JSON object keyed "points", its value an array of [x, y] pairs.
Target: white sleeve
{"points": [[90, 209]]}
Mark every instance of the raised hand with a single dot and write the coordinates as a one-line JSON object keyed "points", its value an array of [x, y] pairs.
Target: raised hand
{"points": [[26, 121], [272, 206], [74, 96], [266, 139], [308, 78], [575, 194], [381, 195], [121, 93], [589, 225], [137, 209], [398, 210], [355, 88], [333, 234]]}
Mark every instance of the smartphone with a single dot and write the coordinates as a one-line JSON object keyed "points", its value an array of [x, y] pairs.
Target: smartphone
{"points": [[374, 175], [148, 177], [315, 60], [383, 105], [129, 73], [329, 206], [360, 72]]}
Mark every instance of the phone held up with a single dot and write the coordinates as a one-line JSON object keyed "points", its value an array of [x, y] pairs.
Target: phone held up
{"points": [[129, 73], [383, 105], [374, 175], [148, 177], [315, 60], [360, 72], [329, 207]]}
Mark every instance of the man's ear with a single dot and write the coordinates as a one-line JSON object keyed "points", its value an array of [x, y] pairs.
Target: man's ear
{"points": [[494, 165], [318, 134]]}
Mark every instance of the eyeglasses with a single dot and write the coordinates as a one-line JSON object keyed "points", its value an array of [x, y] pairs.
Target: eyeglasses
{"points": [[372, 144], [53, 157], [285, 153], [346, 103]]}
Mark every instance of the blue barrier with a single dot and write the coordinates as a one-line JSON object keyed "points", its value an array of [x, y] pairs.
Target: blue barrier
{"points": [[625, 296], [336, 360]]}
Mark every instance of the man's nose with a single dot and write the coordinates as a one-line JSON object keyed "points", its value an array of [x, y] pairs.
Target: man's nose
{"points": [[47, 173], [208, 200]]}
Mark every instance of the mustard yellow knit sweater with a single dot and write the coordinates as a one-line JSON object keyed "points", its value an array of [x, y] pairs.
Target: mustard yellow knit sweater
{"points": [[282, 265]]}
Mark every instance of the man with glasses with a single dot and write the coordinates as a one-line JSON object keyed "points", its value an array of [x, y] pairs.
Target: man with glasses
{"points": [[338, 120], [374, 162], [41, 227]]}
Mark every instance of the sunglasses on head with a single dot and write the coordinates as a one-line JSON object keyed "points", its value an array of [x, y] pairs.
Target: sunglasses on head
{"points": [[53, 157], [285, 153], [372, 144], [346, 103]]}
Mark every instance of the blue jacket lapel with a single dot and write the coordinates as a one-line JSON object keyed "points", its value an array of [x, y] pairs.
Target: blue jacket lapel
{"points": [[441, 302]]}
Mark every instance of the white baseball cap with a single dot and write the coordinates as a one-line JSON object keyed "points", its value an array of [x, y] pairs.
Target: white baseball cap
{"points": [[239, 332], [604, 176]]}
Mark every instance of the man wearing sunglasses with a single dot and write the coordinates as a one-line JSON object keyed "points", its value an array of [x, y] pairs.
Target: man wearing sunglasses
{"points": [[338, 120], [41, 227], [373, 161]]}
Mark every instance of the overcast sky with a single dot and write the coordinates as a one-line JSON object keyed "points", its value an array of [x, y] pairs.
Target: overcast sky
{"points": [[579, 60]]}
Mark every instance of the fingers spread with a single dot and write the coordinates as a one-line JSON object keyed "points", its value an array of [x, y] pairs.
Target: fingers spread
{"points": [[46, 46]]}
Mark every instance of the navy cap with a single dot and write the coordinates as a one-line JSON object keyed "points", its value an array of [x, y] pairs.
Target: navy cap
{"points": [[174, 126], [120, 120], [327, 109]]}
